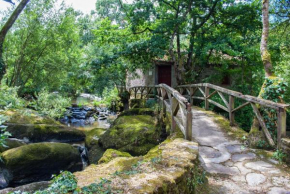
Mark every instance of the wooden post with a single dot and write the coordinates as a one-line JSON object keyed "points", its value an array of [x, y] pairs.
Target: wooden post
{"points": [[231, 107], [188, 124], [135, 93], [174, 110], [281, 128], [206, 103]]}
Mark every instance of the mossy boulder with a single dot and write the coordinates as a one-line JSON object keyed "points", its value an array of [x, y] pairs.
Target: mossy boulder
{"points": [[172, 167], [28, 116], [45, 133], [133, 134], [110, 154], [38, 161], [28, 124], [92, 144], [11, 143], [138, 111]]}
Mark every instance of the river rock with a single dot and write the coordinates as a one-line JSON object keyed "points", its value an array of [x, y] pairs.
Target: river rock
{"points": [[135, 134], [167, 168], [45, 133], [30, 188], [110, 154], [38, 161], [11, 143], [92, 144]]}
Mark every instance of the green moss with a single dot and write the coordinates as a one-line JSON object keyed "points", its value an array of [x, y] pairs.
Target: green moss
{"points": [[138, 111], [134, 134], [11, 143], [92, 136], [167, 168], [110, 154], [33, 153]]}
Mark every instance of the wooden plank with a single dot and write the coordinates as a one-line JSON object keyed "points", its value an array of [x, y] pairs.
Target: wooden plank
{"points": [[218, 105], [241, 106], [188, 124], [263, 125], [224, 99], [174, 106], [206, 102], [197, 97], [231, 106], [213, 93], [201, 91], [252, 99], [178, 123], [281, 129]]}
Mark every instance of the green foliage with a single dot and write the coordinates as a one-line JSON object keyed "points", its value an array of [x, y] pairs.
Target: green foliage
{"points": [[66, 182], [197, 178], [3, 133], [110, 99], [279, 155], [51, 104], [9, 97], [274, 90]]}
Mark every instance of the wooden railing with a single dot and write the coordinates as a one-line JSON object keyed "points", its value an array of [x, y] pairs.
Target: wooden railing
{"points": [[177, 103], [183, 100], [207, 91]]}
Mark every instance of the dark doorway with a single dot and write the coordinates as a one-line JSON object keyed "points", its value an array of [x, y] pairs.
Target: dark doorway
{"points": [[164, 74]]}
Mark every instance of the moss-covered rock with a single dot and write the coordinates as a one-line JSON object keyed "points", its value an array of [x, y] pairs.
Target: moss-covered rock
{"points": [[92, 144], [93, 136], [110, 154], [171, 167], [138, 111], [28, 116], [134, 134], [36, 162], [28, 124], [45, 132], [11, 143]]}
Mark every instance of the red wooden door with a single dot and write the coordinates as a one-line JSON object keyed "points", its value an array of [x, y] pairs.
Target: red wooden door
{"points": [[164, 74]]}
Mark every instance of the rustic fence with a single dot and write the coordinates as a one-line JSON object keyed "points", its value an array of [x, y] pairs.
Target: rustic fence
{"points": [[183, 100], [176, 101]]}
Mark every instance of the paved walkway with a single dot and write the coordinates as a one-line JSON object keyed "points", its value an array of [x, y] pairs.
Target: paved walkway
{"points": [[232, 167]]}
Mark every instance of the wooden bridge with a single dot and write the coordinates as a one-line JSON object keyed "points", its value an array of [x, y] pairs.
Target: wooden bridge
{"points": [[181, 102]]}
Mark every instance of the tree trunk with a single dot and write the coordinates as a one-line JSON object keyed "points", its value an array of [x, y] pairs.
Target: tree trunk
{"points": [[4, 31], [265, 55]]}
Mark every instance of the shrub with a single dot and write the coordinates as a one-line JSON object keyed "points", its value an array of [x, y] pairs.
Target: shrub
{"points": [[9, 97], [51, 104]]}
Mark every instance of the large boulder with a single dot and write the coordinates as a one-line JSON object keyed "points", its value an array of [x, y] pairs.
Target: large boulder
{"points": [[45, 133], [38, 161], [135, 134], [32, 127], [172, 167], [95, 152], [11, 143], [110, 154]]}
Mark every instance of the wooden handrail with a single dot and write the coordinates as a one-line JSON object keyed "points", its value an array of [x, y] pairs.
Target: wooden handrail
{"points": [[229, 107], [178, 101]]}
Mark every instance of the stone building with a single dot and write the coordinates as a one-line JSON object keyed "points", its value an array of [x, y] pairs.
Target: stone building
{"points": [[162, 72]]}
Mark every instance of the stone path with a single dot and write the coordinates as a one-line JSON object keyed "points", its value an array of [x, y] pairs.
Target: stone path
{"points": [[234, 168]]}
